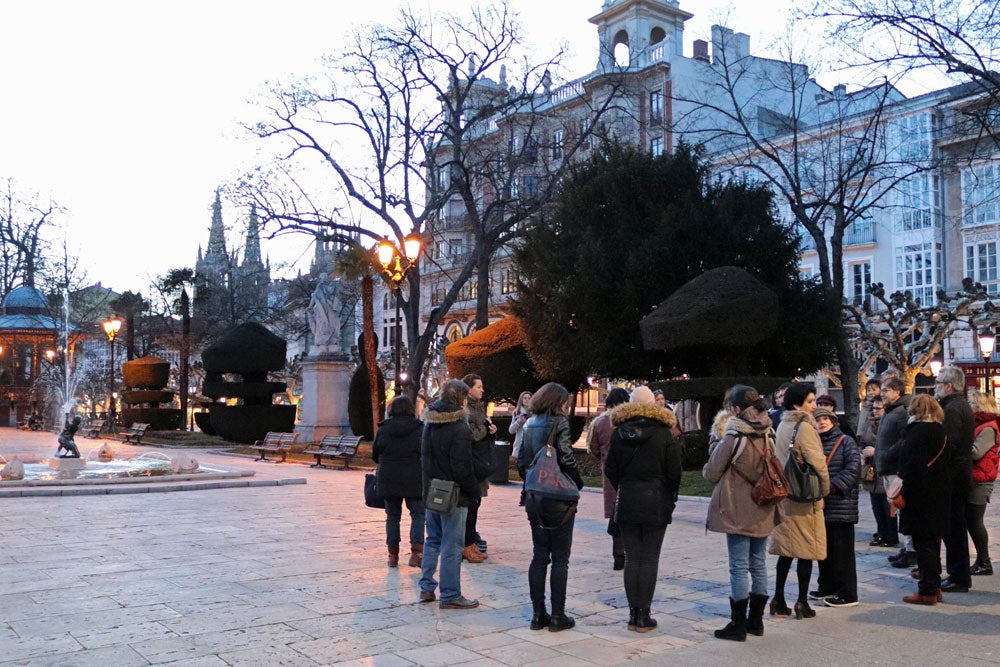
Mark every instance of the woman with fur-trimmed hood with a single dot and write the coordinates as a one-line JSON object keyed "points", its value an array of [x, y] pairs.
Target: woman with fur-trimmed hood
{"points": [[644, 467], [802, 535]]}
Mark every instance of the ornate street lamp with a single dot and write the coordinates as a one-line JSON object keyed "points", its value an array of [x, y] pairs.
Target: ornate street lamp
{"points": [[987, 343], [936, 365], [395, 266], [112, 326]]}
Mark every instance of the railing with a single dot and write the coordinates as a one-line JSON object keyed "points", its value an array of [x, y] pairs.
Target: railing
{"points": [[860, 232], [564, 92]]}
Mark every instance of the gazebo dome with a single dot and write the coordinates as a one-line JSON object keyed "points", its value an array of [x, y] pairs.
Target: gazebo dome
{"points": [[25, 300]]}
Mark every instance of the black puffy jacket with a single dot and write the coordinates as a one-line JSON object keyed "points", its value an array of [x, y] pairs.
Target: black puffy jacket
{"points": [[446, 449], [841, 506], [396, 450]]}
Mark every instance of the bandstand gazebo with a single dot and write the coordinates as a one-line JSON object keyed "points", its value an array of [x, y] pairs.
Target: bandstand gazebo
{"points": [[27, 332]]}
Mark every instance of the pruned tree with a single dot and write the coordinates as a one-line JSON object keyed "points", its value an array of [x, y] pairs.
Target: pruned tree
{"points": [[906, 334], [410, 134], [174, 287], [834, 160]]}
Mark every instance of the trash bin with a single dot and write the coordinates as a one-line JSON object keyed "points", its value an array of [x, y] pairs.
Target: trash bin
{"points": [[501, 461]]}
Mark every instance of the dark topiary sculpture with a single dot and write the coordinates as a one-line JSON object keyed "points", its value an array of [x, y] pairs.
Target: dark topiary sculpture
{"points": [[359, 409]]}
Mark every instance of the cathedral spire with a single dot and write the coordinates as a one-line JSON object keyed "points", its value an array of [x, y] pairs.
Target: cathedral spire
{"points": [[216, 234], [251, 253]]}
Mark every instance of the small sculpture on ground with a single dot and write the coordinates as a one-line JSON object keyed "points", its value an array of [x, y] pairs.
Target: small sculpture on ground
{"points": [[66, 441], [13, 470], [183, 463], [105, 453]]}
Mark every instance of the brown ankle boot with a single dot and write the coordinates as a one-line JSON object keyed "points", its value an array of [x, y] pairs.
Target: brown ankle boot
{"points": [[472, 554], [394, 556], [416, 554]]}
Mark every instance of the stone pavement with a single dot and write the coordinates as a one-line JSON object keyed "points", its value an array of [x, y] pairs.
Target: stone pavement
{"points": [[295, 575]]}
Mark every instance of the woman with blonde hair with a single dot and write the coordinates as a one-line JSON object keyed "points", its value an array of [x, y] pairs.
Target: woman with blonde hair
{"points": [[802, 534], [985, 462], [518, 419], [925, 465]]}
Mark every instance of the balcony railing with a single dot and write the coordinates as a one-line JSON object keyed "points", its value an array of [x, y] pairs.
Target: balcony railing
{"points": [[860, 232]]}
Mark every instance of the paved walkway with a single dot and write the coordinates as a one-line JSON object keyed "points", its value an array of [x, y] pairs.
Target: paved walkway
{"points": [[295, 575]]}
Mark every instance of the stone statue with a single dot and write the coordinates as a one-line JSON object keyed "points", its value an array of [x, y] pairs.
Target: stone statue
{"points": [[323, 315]]}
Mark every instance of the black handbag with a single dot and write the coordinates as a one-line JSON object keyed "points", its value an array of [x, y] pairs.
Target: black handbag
{"points": [[372, 498], [803, 480]]}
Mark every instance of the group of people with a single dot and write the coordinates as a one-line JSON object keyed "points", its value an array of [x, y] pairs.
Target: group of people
{"points": [[929, 463]]}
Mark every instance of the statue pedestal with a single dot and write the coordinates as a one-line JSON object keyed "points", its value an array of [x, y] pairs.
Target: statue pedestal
{"points": [[326, 380], [67, 464]]}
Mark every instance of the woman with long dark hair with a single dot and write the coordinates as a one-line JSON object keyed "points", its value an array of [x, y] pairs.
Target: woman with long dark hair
{"points": [[551, 520], [734, 466], [396, 450], [644, 467]]}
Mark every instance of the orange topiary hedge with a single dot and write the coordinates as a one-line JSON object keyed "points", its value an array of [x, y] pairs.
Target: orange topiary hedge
{"points": [[497, 354]]}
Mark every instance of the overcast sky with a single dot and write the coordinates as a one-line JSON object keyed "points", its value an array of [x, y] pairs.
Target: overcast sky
{"points": [[126, 113]]}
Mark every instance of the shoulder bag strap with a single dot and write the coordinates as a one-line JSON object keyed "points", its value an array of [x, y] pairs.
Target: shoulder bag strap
{"points": [[834, 450], [758, 450], [943, 445]]}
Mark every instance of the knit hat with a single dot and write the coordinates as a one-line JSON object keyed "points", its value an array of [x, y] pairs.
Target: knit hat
{"points": [[824, 412], [642, 394], [828, 400]]}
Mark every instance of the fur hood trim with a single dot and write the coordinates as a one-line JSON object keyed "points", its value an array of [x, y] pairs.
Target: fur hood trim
{"points": [[796, 416], [740, 426], [722, 418], [626, 411], [434, 416]]}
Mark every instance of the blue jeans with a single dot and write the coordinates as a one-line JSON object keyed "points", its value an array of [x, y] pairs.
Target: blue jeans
{"points": [[747, 555], [394, 511], [445, 534]]}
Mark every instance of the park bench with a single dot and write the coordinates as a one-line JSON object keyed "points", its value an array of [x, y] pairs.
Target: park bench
{"points": [[335, 447], [93, 429], [135, 432], [275, 443]]}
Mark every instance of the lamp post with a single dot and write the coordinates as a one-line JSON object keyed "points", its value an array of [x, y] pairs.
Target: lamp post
{"points": [[987, 342], [112, 326], [395, 266]]}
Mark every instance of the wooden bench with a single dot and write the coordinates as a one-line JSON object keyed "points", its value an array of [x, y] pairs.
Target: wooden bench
{"points": [[335, 447], [275, 443], [135, 432], [93, 429]]}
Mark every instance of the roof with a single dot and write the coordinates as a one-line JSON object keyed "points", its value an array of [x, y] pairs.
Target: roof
{"points": [[34, 322], [25, 299]]}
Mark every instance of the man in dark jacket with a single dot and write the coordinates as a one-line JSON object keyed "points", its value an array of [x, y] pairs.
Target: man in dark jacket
{"points": [[446, 454], [887, 447], [959, 427]]}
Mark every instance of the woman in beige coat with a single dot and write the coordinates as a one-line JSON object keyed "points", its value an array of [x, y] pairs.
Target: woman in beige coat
{"points": [[802, 534]]}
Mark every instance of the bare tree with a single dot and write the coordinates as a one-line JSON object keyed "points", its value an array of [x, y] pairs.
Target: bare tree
{"points": [[414, 135], [958, 38], [827, 156], [907, 334], [23, 219]]}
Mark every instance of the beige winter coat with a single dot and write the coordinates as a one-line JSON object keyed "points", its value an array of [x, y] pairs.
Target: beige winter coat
{"points": [[731, 510], [803, 533]]}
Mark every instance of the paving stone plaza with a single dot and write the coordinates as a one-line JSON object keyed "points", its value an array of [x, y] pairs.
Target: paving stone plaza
{"points": [[294, 574]]}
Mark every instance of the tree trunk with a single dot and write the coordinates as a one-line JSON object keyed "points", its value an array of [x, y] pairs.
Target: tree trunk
{"points": [[130, 336], [185, 352], [368, 326], [483, 295], [848, 377]]}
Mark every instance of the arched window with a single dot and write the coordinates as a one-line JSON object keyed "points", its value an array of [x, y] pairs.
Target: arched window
{"points": [[657, 35], [621, 49]]}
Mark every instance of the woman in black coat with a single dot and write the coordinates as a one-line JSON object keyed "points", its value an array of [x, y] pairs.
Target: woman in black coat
{"points": [[925, 466], [838, 573], [644, 467], [551, 520], [396, 450]]}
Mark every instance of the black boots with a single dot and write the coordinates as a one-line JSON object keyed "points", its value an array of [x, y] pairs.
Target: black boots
{"points": [[643, 623], [560, 621], [632, 611], [737, 628], [541, 618], [755, 615], [982, 568]]}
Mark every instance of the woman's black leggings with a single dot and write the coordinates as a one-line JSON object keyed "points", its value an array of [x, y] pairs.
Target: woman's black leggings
{"points": [[977, 531], [804, 572], [642, 558]]}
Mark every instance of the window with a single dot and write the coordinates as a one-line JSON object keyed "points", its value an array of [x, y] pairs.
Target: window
{"points": [[557, 145], [531, 187], [442, 179], [455, 247], [981, 195], [656, 146], [656, 107], [981, 265], [508, 282], [515, 143], [861, 281], [917, 202], [918, 270], [585, 130], [913, 137]]}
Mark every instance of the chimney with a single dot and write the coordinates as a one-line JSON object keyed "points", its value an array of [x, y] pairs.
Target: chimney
{"points": [[840, 91], [741, 44], [701, 50], [722, 39]]}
